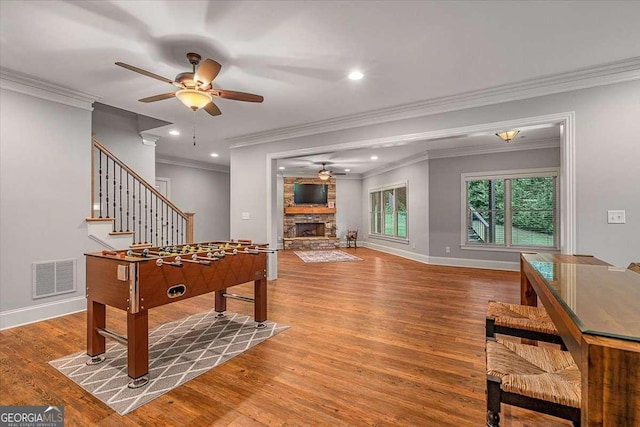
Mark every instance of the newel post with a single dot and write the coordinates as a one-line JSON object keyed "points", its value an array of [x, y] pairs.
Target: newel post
{"points": [[189, 218]]}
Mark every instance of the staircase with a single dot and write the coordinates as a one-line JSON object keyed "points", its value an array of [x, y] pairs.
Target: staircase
{"points": [[127, 211]]}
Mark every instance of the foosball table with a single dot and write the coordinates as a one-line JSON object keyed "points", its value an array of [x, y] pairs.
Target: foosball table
{"points": [[138, 280]]}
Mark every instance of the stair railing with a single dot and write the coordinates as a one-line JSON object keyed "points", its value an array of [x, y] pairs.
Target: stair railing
{"points": [[135, 206], [478, 224]]}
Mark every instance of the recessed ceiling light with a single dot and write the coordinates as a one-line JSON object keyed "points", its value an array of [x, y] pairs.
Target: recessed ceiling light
{"points": [[214, 154], [347, 170], [356, 75], [374, 157], [281, 168], [174, 132]]}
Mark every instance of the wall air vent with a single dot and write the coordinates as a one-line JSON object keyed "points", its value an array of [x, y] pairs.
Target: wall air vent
{"points": [[53, 277]]}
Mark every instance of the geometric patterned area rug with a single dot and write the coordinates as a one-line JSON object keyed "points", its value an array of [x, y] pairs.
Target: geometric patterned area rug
{"points": [[326, 256], [178, 352]]}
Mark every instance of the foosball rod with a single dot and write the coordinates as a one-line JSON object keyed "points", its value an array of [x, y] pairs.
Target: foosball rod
{"points": [[239, 297], [211, 258], [180, 259], [108, 334], [260, 250], [160, 262]]}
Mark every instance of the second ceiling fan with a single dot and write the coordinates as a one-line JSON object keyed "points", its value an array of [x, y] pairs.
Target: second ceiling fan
{"points": [[324, 173], [195, 88]]}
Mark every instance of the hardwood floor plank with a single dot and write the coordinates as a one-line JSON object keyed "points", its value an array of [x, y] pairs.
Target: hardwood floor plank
{"points": [[380, 342]]}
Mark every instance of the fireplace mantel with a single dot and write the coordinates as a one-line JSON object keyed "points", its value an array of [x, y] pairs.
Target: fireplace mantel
{"points": [[293, 210]]}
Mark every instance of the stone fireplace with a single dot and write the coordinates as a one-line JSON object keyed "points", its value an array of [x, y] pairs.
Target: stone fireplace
{"points": [[310, 229], [309, 226]]}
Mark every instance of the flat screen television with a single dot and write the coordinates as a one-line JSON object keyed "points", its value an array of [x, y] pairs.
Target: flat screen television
{"points": [[310, 194]]}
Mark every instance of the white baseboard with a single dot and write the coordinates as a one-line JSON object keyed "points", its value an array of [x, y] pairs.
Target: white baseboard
{"points": [[475, 263], [452, 262], [400, 252], [37, 313]]}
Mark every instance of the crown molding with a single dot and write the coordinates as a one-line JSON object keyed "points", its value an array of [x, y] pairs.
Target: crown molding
{"points": [[398, 164], [149, 139], [346, 176], [187, 163], [27, 85], [605, 74], [534, 144]]}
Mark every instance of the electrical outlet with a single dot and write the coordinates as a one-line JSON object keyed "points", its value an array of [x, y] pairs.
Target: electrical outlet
{"points": [[616, 217], [246, 215], [447, 249], [414, 246]]}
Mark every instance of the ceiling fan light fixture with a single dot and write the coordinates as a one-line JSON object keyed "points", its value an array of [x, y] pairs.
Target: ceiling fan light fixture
{"points": [[193, 99], [507, 135], [324, 174]]}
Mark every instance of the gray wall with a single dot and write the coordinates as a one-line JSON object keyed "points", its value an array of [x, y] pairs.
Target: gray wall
{"points": [[444, 196], [606, 150], [119, 131], [348, 207], [204, 192], [45, 177], [416, 176]]}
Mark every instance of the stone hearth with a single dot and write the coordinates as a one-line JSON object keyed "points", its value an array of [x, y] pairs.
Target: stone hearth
{"points": [[311, 243]]}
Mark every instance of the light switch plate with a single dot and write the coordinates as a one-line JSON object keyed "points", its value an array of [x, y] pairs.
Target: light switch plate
{"points": [[616, 217], [246, 215]]}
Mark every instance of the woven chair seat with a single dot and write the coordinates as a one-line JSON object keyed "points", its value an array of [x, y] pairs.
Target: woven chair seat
{"points": [[542, 373], [634, 266], [521, 317]]}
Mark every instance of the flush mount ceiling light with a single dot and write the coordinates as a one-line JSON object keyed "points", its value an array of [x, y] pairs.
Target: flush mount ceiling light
{"points": [[356, 75], [174, 132], [214, 154], [374, 157], [507, 135], [281, 168]]}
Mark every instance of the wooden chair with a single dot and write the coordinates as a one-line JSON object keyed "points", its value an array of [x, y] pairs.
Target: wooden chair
{"points": [[352, 236], [541, 379], [522, 321]]}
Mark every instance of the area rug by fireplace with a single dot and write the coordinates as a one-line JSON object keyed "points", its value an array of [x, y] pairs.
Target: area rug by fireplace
{"points": [[325, 256], [178, 352]]}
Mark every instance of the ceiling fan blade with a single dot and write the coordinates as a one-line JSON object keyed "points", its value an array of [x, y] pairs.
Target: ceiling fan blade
{"points": [[238, 96], [148, 74], [158, 97], [207, 71], [212, 109]]}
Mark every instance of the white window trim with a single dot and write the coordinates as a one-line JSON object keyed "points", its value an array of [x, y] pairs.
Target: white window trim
{"points": [[508, 174], [404, 184]]}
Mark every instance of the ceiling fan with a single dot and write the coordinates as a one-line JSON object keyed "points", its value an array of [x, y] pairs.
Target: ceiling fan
{"points": [[324, 174], [195, 88]]}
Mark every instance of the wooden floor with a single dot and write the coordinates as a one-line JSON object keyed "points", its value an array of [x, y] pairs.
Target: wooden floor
{"points": [[381, 342]]}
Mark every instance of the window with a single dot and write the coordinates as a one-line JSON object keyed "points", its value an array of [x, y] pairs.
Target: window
{"points": [[388, 208], [510, 209]]}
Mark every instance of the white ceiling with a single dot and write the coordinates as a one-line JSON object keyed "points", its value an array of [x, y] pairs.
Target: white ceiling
{"points": [[297, 55]]}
